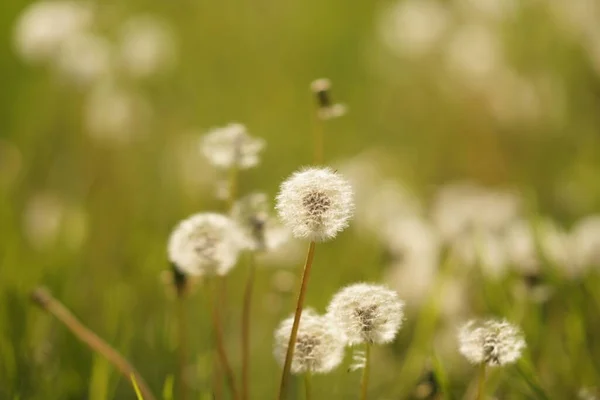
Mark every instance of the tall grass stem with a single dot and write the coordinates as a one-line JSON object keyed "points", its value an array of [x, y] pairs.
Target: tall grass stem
{"points": [[47, 302]]}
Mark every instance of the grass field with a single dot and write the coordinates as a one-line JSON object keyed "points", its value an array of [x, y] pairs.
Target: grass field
{"points": [[471, 138]]}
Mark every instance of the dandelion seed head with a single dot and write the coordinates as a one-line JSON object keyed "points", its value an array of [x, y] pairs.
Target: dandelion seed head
{"points": [[367, 313], [315, 203], [84, 58], [319, 347], [147, 46], [585, 242], [230, 146], [326, 109], [414, 28], [493, 342], [115, 115], [264, 232], [44, 26], [206, 244]]}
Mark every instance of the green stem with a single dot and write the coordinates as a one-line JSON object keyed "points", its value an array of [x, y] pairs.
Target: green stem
{"points": [[182, 345], [292, 342], [307, 386], [246, 328], [319, 140], [481, 385], [233, 180], [365, 376], [44, 299], [218, 328]]}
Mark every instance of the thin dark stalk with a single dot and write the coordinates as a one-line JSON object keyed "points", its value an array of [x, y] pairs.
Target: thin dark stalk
{"points": [[481, 384], [366, 371], [182, 346], [300, 303], [218, 328], [44, 299], [246, 328]]}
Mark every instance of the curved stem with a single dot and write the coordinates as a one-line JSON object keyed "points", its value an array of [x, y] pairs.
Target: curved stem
{"points": [[292, 342], [218, 328], [246, 328], [365, 376], [307, 386], [46, 301], [481, 385], [182, 346]]}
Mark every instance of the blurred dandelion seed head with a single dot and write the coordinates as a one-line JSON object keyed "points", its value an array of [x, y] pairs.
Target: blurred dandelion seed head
{"points": [[414, 28], [147, 46], [493, 342], [114, 115], [206, 244], [44, 26], [315, 203], [84, 58], [367, 313], [264, 232], [319, 347], [230, 146]]}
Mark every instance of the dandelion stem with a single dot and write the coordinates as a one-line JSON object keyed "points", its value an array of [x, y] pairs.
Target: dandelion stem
{"points": [[307, 386], [365, 376], [319, 140], [292, 342], [481, 384], [218, 328], [246, 328], [44, 299], [182, 345], [233, 181]]}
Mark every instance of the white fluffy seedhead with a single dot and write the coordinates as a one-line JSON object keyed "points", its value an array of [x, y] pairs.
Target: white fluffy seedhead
{"points": [[492, 342], [367, 313], [264, 232], [230, 146], [319, 345], [315, 203], [206, 244]]}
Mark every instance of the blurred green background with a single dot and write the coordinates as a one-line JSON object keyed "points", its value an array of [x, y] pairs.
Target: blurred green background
{"points": [[506, 94]]}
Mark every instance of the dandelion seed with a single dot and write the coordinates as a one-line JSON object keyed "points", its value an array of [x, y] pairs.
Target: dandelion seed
{"points": [[492, 342], [367, 313], [45, 25], [318, 349], [263, 231], [206, 244], [230, 146], [359, 360], [327, 110], [315, 203]]}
